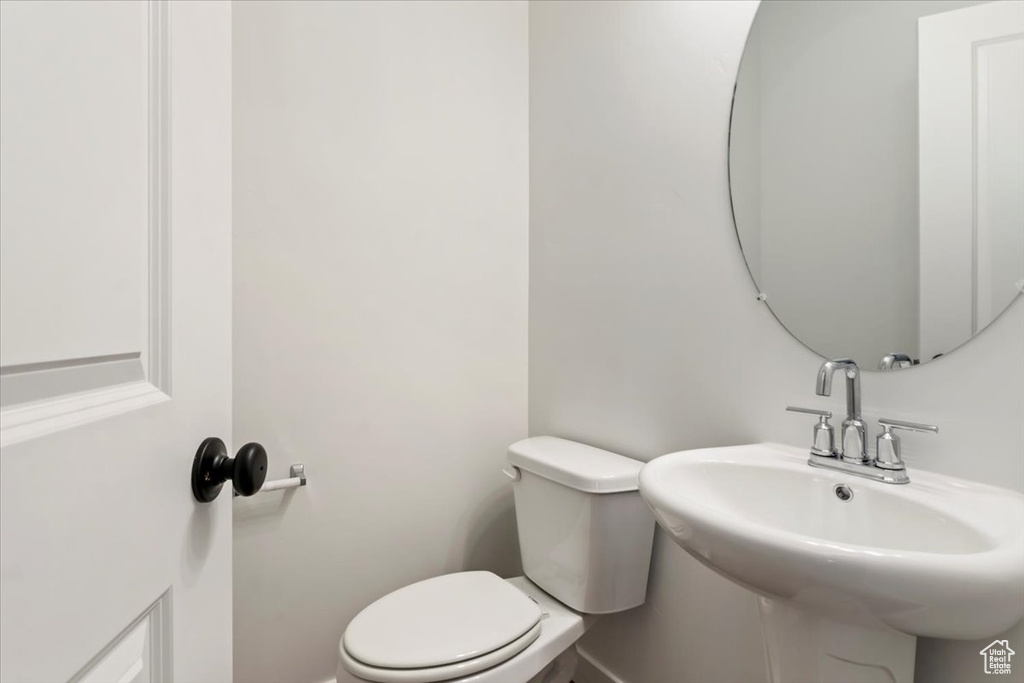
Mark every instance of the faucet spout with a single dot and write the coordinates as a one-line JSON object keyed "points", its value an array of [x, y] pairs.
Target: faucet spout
{"points": [[854, 431], [823, 386]]}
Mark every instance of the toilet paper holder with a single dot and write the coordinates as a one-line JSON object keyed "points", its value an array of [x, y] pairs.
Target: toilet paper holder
{"points": [[296, 478]]}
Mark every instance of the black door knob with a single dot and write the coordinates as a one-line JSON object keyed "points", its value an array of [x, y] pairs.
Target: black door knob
{"points": [[212, 467]]}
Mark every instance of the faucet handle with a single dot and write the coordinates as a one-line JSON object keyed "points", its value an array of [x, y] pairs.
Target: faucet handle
{"points": [[888, 423], [826, 414], [887, 444], [824, 436]]}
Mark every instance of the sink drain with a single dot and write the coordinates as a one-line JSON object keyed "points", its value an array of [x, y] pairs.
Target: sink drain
{"points": [[843, 492]]}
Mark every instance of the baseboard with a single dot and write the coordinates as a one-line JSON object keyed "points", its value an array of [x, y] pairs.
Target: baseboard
{"points": [[589, 670]]}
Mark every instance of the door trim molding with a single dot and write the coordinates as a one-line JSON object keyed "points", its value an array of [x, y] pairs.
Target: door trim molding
{"points": [[33, 420], [154, 655], [158, 356]]}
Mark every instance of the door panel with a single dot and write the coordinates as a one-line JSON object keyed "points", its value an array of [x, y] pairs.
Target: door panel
{"points": [[76, 116], [971, 104], [85, 179], [999, 176], [115, 151]]}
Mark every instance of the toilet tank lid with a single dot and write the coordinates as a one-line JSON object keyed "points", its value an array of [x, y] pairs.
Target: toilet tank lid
{"points": [[575, 465]]}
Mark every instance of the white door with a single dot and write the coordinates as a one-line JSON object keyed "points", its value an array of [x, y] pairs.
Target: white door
{"points": [[115, 333], [971, 108]]}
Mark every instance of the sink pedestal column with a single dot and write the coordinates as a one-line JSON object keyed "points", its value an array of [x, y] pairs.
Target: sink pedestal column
{"points": [[804, 647]]}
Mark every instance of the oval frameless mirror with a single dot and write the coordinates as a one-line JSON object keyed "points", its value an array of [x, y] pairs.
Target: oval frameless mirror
{"points": [[876, 165]]}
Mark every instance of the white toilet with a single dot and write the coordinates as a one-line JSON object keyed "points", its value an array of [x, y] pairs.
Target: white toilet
{"points": [[585, 537]]}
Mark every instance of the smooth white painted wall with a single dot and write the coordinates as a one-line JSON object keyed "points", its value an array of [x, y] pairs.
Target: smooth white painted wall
{"points": [[645, 334], [380, 284]]}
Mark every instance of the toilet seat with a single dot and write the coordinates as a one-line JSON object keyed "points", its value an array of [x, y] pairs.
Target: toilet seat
{"points": [[441, 673], [441, 628]]}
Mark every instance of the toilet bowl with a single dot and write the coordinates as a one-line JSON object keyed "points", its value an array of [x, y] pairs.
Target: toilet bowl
{"points": [[585, 537], [548, 655]]}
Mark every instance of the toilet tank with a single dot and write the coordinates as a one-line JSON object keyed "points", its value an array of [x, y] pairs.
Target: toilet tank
{"points": [[585, 534]]}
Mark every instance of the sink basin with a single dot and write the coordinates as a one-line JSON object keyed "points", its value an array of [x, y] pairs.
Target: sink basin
{"points": [[938, 557]]}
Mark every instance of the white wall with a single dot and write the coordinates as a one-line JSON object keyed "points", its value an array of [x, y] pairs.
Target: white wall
{"points": [[380, 307], [645, 335]]}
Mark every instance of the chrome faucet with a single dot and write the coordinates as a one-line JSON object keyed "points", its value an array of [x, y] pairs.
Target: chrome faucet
{"points": [[895, 361], [853, 458], [854, 433]]}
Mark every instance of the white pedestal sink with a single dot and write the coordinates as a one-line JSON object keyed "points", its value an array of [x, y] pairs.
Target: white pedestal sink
{"points": [[845, 586]]}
